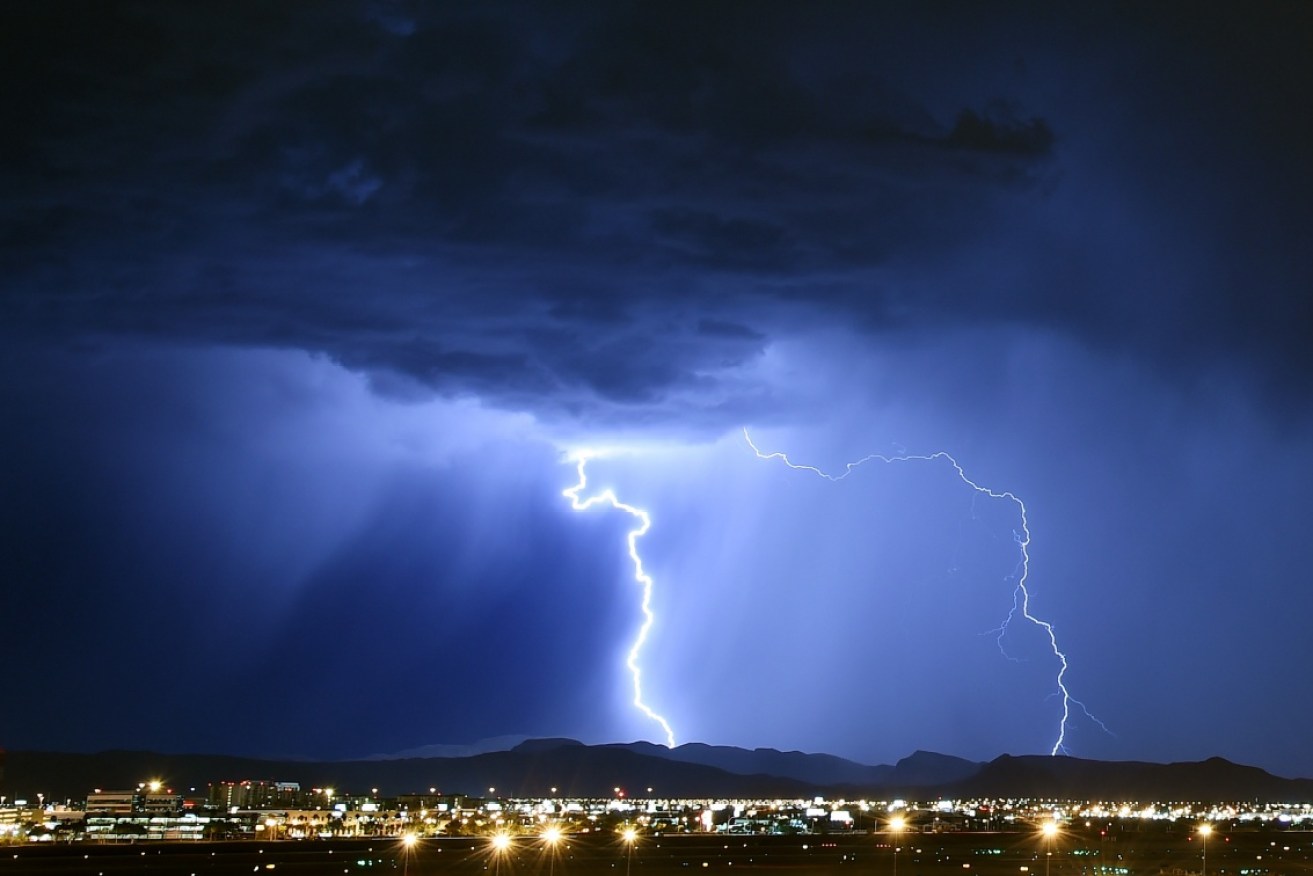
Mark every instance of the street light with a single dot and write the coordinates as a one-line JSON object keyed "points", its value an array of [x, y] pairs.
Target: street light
{"points": [[407, 845], [896, 825], [1050, 831], [501, 842], [1204, 831], [551, 836], [630, 836]]}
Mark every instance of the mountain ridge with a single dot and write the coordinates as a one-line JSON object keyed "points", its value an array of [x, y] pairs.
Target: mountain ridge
{"points": [[567, 767]]}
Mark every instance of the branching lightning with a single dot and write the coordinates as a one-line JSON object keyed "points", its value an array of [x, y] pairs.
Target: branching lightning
{"points": [[1020, 595], [608, 497]]}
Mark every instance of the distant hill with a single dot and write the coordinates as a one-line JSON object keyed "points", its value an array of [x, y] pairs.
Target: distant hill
{"points": [[1071, 778], [483, 746], [922, 769], [535, 767], [529, 770]]}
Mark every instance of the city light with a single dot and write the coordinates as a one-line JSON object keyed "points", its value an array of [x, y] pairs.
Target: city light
{"points": [[896, 825], [1050, 830], [500, 844], [408, 842], [630, 836], [551, 836]]}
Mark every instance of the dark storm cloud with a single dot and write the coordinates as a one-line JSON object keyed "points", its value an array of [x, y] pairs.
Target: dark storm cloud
{"points": [[460, 197]]}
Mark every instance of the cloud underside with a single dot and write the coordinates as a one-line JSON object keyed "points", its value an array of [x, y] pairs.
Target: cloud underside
{"points": [[585, 214]]}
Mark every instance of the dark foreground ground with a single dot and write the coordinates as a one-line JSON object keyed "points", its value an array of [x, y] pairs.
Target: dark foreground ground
{"points": [[1150, 852]]}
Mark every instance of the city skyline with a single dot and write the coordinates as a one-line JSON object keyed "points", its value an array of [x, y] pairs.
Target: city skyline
{"points": [[856, 380]]}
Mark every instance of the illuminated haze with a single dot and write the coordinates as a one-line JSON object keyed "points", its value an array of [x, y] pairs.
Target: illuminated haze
{"points": [[306, 310]]}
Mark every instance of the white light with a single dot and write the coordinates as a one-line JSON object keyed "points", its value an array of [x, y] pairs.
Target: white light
{"points": [[608, 497]]}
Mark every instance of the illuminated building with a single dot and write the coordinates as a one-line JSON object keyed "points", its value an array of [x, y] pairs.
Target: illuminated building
{"points": [[261, 794]]}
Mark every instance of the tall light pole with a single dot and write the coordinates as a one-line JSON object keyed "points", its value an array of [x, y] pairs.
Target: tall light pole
{"points": [[407, 844], [1204, 831], [551, 836], [896, 825], [630, 837], [1050, 831], [500, 843]]}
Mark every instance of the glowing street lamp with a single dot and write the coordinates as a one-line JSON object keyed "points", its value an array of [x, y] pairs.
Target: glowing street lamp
{"points": [[501, 843], [551, 836], [630, 836], [407, 846], [1204, 831], [1050, 831], [896, 825]]}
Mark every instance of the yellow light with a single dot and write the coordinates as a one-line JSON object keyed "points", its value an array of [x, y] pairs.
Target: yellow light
{"points": [[897, 823], [501, 842], [630, 835], [155, 786], [1050, 828], [1205, 829], [409, 840], [552, 835]]}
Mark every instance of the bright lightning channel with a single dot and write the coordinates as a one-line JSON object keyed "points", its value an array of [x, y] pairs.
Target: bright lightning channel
{"points": [[608, 497], [1020, 596]]}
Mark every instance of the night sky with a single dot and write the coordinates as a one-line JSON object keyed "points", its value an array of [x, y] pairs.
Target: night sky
{"points": [[307, 309]]}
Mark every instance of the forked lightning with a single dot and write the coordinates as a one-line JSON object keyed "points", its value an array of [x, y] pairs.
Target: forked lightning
{"points": [[1020, 595], [608, 497]]}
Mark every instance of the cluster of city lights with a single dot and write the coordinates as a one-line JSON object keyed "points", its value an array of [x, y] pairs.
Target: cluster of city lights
{"points": [[549, 837]]}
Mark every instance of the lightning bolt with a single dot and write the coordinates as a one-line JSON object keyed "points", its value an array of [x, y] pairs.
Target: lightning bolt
{"points": [[1020, 595], [608, 497]]}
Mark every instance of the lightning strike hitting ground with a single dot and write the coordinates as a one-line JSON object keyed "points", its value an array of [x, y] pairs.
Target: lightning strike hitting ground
{"points": [[608, 497], [1020, 595]]}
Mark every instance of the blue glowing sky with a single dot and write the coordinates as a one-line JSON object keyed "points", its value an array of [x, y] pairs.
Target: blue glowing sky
{"points": [[307, 309]]}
